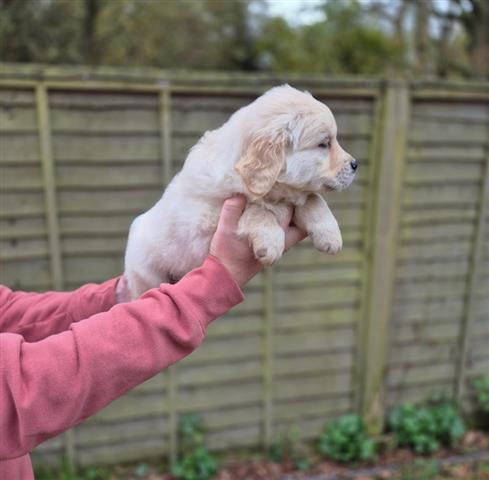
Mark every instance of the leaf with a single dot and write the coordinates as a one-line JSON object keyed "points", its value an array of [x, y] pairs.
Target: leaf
{"points": [[345, 440]]}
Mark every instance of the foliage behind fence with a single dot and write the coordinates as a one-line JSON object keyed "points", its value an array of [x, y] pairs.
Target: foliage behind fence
{"points": [[400, 313]]}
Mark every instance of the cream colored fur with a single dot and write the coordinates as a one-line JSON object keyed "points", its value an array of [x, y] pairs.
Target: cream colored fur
{"points": [[280, 150]]}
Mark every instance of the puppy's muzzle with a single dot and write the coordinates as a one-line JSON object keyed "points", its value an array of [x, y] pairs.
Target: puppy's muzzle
{"points": [[344, 178]]}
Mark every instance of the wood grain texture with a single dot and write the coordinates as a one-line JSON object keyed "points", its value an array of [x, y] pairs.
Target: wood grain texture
{"points": [[384, 244], [291, 354]]}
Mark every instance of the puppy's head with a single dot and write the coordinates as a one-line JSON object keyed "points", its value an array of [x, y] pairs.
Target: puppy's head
{"points": [[291, 140]]}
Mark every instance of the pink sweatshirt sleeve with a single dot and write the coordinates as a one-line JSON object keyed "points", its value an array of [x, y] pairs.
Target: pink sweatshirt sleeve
{"points": [[49, 386], [38, 315]]}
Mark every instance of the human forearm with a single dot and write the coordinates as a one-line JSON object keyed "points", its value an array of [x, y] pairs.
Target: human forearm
{"points": [[38, 315], [49, 386]]}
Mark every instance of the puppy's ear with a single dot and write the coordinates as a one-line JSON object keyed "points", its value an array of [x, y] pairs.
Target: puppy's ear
{"points": [[261, 163]]}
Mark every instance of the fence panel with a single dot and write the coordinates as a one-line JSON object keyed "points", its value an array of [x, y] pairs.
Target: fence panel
{"points": [[473, 360], [23, 228], [402, 311], [445, 168]]}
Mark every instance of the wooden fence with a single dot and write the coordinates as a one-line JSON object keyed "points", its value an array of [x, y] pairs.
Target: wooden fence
{"points": [[401, 313]]}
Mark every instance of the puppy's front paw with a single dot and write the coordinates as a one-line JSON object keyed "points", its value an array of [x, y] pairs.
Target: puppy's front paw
{"points": [[268, 248], [328, 241]]}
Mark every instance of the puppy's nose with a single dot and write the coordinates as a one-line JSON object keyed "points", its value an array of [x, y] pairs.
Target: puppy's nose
{"points": [[354, 164]]}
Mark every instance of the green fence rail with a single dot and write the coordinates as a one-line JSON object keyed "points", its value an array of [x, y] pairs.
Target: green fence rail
{"points": [[400, 313]]}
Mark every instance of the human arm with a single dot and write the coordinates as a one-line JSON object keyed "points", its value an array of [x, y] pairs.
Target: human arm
{"points": [[37, 315], [49, 386]]}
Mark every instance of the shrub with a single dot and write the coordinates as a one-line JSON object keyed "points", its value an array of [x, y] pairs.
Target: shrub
{"points": [[346, 440], [196, 463], [414, 427], [481, 390], [425, 428], [288, 448], [450, 426], [481, 387], [191, 430]]}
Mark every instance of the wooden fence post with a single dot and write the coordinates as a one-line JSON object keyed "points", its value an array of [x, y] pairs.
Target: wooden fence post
{"points": [[52, 219], [165, 126], [268, 324], [49, 182], [164, 99], [171, 386], [473, 275], [368, 240], [386, 212]]}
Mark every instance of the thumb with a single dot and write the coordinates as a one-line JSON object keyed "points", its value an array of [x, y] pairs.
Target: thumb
{"points": [[231, 212]]}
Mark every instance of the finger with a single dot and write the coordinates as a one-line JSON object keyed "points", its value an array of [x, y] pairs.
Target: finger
{"points": [[231, 211], [293, 235]]}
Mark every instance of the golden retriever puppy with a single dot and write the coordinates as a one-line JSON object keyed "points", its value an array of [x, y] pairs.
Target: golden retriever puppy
{"points": [[278, 151]]}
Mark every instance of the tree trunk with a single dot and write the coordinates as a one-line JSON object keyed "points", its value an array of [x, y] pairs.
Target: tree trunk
{"points": [[399, 21], [92, 8], [421, 31], [480, 41], [443, 57]]}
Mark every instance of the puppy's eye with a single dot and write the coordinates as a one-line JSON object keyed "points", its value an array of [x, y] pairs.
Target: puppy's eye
{"points": [[325, 144]]}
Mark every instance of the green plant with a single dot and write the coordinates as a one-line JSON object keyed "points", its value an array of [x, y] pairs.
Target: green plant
{"points": [[483, 467], [346, 440], [419, 470], [65, 472], [450, 426], [414, 427], [191, 430], [425, 428], [481, 387], [288, 447], [196, 463]]}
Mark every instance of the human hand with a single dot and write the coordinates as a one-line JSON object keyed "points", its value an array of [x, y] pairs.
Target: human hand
{"points": [[234, 251]]}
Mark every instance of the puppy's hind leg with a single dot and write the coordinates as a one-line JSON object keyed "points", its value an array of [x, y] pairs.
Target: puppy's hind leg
{"points": [[139, 283]]}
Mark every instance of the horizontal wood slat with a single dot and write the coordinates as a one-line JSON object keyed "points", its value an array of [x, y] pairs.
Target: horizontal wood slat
{"points": [[289, 354]]}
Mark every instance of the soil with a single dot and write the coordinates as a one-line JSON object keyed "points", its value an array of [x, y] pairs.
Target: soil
{"points": [[462, 460], [468, 461]]}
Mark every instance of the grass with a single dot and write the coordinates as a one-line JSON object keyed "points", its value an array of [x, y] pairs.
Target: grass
{"points": [[420, 469], [66, 473]]}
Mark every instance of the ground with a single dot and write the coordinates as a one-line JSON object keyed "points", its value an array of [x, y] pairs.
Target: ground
{"points": [[469, 461]]}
